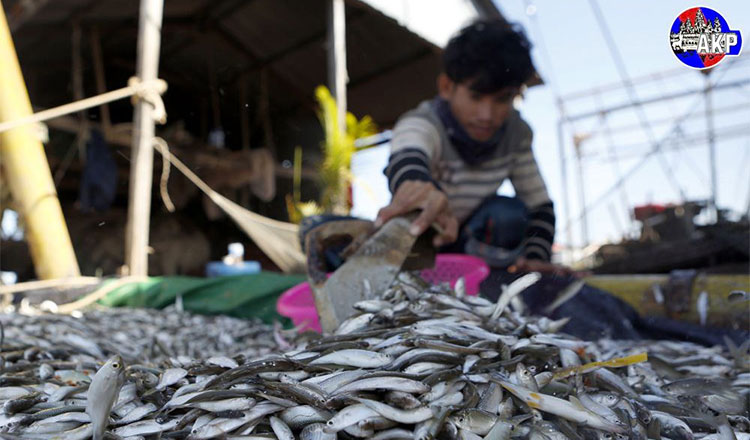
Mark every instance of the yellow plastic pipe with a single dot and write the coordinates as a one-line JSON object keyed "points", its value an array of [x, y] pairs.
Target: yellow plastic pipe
{"points": [[28, 175]]}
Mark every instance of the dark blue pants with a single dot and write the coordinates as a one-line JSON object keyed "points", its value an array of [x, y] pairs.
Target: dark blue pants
{"points": [[494, 231]]}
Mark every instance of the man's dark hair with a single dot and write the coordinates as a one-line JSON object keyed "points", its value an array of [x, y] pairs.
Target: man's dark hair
{"points": [[490, 55]]}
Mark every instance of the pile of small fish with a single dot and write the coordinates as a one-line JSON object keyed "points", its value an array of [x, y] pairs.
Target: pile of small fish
{"points": [[420, 362], [138, 335]]}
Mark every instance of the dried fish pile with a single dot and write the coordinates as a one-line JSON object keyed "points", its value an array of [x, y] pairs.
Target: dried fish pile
{"points": [[138, 335], [422, 362]]}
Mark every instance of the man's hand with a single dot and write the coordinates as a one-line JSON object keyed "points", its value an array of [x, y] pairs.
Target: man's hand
{"points": [[544, 267], [415, 194]]}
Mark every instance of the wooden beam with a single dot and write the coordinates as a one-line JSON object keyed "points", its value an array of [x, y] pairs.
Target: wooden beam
{"points": [[401, 62], [141, 173], [22, 12], [244, 113], [172, 77], [488, 9], [78, 94], [70, 124], [227, 37], [354, 16], [223, 10], [264, 112], [213, 87], [178, 47], [101, 80]]}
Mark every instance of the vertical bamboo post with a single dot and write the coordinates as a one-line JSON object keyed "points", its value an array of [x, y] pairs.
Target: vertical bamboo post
{"points": [[337, 74], [101, 80], [141, 169], [28, 175], [215, 98], [78, 94], [244, 113]]}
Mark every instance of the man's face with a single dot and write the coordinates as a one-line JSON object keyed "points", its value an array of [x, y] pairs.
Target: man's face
{"points": [[481, 115]]}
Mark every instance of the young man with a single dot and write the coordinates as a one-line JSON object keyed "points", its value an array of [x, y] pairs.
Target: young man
{"points": [[451, 154]]}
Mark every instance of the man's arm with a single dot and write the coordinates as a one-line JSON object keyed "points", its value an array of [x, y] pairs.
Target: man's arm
{"points": [[415, 143], [530, 188], [410, 163], [540, 234]]}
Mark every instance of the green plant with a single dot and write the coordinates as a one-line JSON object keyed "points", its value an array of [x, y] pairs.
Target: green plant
{"points": [[335, 170]]}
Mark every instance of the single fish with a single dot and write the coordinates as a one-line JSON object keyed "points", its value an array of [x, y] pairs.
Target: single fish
{"points": [[562, 408], [102, 394], [701, 305], [354, 358]]}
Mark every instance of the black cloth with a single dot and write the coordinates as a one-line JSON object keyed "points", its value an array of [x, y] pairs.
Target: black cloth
{"points": [[99, 180], [540, 232]]}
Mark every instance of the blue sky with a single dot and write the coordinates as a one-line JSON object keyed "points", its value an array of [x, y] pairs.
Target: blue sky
{"points": [[577, 59]]}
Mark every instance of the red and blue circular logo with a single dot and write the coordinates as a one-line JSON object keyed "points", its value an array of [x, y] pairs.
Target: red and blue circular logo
{"points": [[701, 38]]}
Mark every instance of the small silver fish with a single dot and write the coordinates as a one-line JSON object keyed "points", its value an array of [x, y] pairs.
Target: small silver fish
{"points": [[701, 305], [103, 393]]}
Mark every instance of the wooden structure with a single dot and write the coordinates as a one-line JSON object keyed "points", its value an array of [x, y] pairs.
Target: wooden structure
{"points": [[262, 57]]}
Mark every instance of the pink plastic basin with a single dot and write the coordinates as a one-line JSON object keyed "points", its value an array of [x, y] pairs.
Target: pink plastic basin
{"points": [[298, 304]]}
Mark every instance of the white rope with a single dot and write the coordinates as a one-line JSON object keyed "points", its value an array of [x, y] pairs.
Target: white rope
{"points": [[149, 91], [152, 95], [278, 240], [163, 148]]}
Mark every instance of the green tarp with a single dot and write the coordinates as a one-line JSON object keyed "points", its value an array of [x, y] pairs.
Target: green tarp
{"points": [[241, 296]]}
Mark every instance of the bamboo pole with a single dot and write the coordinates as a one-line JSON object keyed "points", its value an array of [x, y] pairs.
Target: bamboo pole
{"points": [[141, 171], [244, 113], [101, 80], [214, 89], [78, 94], [337, 73], [28, 174]]}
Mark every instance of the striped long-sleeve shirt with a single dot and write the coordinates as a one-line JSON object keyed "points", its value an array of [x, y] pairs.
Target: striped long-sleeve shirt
{"points": [[421, 150]]}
